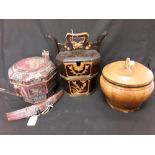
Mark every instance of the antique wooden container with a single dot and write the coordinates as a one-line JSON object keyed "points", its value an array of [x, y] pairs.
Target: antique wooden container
{"points": [[33, 78], [126, 84], [78, 61]]}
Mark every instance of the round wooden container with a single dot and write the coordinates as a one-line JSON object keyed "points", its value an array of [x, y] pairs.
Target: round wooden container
{"points": [[126, 84]]}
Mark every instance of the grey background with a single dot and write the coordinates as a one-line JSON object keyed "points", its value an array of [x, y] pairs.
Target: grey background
{"points": [[81, 115]]}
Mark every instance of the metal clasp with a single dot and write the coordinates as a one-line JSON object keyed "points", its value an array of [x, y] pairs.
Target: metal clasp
{"points": [[37, 111], [47, 109]]}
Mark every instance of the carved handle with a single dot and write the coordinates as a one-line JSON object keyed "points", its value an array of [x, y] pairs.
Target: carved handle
{"points": [[76, 41]]}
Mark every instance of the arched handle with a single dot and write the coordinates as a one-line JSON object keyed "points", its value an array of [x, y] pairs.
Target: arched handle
{"points": [[96, 45], [76, 41], [54, 42], [101, 37]]}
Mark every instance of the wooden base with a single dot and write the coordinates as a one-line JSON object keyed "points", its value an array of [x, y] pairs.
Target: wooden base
{"points": [[82, 94], [121, 109]]}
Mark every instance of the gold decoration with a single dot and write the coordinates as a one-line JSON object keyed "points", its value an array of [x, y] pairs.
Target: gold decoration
{"points": [[78, 40], [75, 88], [76, 70]]}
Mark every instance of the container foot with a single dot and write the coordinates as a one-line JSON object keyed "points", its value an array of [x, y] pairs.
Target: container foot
{"points": [[80, 94], [124, 110]]}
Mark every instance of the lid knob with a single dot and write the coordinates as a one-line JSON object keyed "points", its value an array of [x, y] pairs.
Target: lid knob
{"points": [[45, 54], [128, 64]]}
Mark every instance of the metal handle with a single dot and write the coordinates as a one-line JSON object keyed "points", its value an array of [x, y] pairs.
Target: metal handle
{"points": [[101, 37], [96, 45], [77, 41], [53, 40]]}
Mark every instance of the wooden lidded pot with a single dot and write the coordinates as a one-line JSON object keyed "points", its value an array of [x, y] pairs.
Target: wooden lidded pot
{"points": [[126, 84]]}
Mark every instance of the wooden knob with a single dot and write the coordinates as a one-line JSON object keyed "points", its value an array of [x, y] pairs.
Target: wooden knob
{"points": [[128, 64]]}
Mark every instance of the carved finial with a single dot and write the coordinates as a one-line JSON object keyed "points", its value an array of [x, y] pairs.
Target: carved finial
{"points": [[45, 54], [127, 63], [72, 33]]}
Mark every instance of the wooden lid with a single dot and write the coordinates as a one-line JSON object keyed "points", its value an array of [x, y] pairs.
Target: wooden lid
{"points": [[127, 73], [78, 55]]}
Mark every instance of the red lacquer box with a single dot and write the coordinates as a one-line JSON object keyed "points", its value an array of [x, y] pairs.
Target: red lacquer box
{"points": [[33, 78]]}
